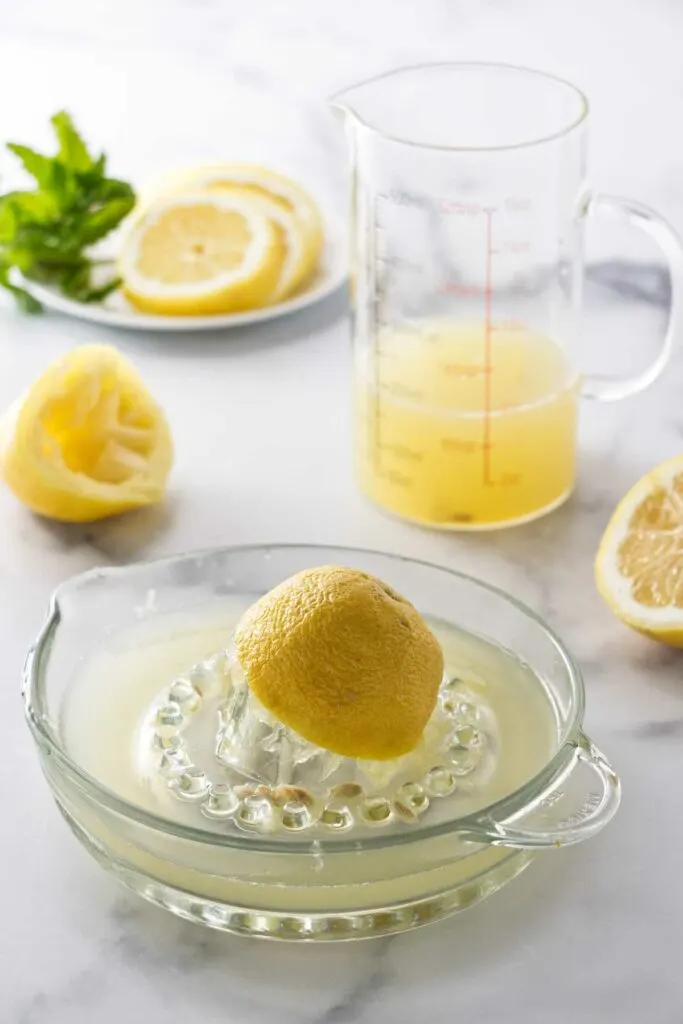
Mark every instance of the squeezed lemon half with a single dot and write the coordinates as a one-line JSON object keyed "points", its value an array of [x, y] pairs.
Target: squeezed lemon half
{"points": [[87, 440], [639, 565], [343, 660]]}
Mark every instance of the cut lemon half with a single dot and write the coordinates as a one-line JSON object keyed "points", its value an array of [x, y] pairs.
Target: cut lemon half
{"points": [[299, 212], [639, 565], [200, 254], [87, 440], [343, 660]]}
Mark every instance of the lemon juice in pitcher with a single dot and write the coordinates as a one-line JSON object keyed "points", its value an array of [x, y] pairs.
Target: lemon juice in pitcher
{"points": [[458, 425], [468, 210]]}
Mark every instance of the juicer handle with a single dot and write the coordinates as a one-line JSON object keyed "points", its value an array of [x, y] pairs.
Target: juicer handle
{"points": [[577, 803], [627, 211]]}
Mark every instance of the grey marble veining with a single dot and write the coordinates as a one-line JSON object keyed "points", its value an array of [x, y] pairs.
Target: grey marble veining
{"points": [[591, 934]]}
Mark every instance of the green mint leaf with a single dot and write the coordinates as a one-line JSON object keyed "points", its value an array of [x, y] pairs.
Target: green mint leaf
{"points": [[112, 188], [51, 176], [28, 208], [8, 220], [24, 300], [102, 291], [93, 188], [23, 258], [75, 281], [73, 152], [99, 223], [45, 233], [39, 167]]}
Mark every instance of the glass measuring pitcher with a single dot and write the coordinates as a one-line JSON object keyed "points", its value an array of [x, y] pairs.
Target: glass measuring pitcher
{"points": [[469, 202]]}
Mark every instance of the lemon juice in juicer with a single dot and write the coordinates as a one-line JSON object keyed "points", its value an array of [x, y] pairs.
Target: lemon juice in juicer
{"points": [[273, 741], [469, 203]]}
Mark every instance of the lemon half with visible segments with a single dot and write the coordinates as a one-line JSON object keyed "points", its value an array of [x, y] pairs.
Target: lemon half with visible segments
{"points": [[639, 565], [299, 216], [87, 440], [343, 660], [200, 254]]}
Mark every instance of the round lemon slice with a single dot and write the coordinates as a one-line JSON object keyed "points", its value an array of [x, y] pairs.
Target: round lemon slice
{"points": [[639, 565], [290, 241], [299, 213], [200, 254], [87, 440]]}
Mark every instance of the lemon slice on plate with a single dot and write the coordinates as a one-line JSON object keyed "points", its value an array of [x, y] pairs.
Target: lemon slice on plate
{"points": [[299, 213], [201, 253], [87, 440], [639, 565], [291, 243]]}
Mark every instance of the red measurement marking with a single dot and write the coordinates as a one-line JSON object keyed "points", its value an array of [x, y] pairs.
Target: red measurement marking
{"points": [[456, 445], [518, 204], [462, 369], [488, 294], [463, 209], [506, 480], [401, 451], [517, 247], [397, 479], [508, 325], [403, 391], [465, 291]]}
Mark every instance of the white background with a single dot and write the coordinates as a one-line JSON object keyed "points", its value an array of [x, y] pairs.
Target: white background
{"points": [[261, 423]]}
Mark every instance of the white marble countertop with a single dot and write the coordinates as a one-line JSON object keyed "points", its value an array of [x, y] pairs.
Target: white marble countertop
{"points": [[589, 934]]}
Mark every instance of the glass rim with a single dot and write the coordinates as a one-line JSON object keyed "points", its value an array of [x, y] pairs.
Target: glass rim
{"points": [[34, 680], [547, 76]]}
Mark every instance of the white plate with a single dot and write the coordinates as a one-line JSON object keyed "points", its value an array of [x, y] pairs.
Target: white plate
{"points": [[116, 311]]}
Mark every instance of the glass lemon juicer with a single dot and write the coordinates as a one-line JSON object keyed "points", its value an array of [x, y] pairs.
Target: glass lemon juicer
{"points": [[212, 809]]}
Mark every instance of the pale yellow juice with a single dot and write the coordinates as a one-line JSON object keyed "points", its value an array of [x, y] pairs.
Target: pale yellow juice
{"points": [[464, 426], [102, 725], [109, 700]]}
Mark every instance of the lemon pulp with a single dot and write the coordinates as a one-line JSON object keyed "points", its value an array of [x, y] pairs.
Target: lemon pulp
{"points": [[87, 440], [462, 430], [201, 254], [639, 565]]}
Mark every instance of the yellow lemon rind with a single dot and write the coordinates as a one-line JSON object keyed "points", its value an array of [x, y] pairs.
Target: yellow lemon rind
{"points": [[294, 266], [235, 175], [249, 286], [664, 624], [51, 489], [342, 660]]}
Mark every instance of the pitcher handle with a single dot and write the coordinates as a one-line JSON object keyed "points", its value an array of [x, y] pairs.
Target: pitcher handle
{"points": [[579, 802], [627, 211]]}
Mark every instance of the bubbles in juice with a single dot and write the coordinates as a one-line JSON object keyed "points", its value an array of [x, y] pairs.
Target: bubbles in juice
{"points": [[463, 426]]}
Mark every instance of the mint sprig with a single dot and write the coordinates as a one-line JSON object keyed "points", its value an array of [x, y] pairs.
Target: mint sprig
{"points": [[46, 233]]}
